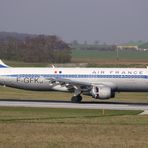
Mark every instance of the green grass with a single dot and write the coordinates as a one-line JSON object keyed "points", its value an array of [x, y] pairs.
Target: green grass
{"points": [[18, 114], [75, 128], [80, 128], [11, 93], [110, 55], [95, 57], [93, 54], [144, 45], [43, 127]]}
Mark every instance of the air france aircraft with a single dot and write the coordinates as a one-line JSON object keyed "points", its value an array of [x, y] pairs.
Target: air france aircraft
{"points": [[100, 83]]}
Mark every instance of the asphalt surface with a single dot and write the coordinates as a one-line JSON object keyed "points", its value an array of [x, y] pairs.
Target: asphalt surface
{"points": [[68, 104]]}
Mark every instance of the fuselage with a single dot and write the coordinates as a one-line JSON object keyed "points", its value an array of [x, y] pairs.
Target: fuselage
{"points": [[118, 79]]}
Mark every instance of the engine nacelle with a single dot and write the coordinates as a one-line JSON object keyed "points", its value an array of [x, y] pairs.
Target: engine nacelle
{"points": [[102, 92]]}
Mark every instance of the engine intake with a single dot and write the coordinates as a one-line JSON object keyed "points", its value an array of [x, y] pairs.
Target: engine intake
{"points": [[102, 92]]}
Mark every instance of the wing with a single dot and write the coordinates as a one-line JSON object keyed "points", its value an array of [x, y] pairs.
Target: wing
{"points": [[97, 91], [73, 84]]}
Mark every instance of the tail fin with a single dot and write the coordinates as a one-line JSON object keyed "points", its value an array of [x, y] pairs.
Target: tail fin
{"points": [[3, 65]]}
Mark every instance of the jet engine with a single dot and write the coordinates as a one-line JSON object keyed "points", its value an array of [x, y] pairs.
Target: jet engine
{"points": [[102, 92]]}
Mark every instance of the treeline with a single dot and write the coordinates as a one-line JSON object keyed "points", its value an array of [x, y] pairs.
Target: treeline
{"points": [[96, 46], [130, 46], [37, 48], [99, 47]]}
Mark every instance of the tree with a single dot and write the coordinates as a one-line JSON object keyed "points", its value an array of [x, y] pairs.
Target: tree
{"points": [[39, 48]]}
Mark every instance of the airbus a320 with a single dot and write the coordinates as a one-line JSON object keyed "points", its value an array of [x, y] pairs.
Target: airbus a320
{"points": [[100, 83]]}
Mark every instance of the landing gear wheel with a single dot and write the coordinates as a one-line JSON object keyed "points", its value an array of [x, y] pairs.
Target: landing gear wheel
{"points": [[76, 99]]}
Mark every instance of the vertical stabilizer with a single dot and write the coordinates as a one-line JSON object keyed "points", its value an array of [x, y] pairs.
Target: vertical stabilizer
{"points": [[3, 65]]}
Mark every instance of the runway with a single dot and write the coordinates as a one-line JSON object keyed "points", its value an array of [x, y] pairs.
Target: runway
{"points": [[68, 104]]}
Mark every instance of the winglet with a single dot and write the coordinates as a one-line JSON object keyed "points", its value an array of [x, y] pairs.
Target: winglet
{"points": [[53, 66], [3, 65]]}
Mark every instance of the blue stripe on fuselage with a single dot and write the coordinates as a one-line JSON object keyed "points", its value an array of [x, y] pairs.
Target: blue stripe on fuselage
{"points": [[79, 76]]}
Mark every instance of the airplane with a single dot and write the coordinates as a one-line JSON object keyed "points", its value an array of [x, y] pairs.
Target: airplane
{"points": [[100, 83]]}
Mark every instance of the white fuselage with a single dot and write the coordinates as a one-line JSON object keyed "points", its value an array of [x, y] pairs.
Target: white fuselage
{"points": [[118, 79]]}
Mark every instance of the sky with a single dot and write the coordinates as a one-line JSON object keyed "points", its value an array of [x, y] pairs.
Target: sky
{"points": [[110, 21]]}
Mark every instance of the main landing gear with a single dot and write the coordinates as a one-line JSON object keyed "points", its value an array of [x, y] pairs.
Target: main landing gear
{"points": [[77, 95], [76, 99]]}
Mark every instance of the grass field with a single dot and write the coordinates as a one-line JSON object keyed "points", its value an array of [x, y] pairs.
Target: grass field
{"points": [[98, 58], [109, 58], [110, 55], [11, 93], [58, 128], [75, 128]]}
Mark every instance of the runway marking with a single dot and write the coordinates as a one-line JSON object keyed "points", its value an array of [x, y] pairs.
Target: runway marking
{"points": [[145, 112], [74, 105]]}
